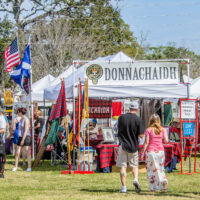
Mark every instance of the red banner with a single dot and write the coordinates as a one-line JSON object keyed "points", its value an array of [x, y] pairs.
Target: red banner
{"points": [[99, 108]]}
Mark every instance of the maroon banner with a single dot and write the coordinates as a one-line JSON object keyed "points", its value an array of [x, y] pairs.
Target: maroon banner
{"points": [[99, 108]]}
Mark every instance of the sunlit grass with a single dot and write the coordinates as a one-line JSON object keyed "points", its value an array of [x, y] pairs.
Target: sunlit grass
{"points": [[46, 182]]}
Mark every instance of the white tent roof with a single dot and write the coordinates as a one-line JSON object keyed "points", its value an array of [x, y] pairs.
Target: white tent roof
{"points": [[118, 57], [185, 79], [38, 88], [65, 74], [51, 93], [121, 91], [117, 91], [195, 88]]}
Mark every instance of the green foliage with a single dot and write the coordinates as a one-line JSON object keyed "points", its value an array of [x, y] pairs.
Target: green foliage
{"points": [[5, 35], [172, 52], [105, 24]]}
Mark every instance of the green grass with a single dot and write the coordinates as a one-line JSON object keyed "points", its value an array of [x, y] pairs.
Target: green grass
{"points": [[46, 182]]}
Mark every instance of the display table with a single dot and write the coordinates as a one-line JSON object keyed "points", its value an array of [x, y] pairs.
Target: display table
{"points": [[107, 155]]}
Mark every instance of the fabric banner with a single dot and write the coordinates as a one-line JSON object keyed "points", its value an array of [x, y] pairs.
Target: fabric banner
{"points": [[168, 115], [99, 108], [116, 108], [137, 73], [8, 97], [60, 109]]}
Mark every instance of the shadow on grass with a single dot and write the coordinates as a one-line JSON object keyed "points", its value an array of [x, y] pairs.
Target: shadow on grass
{"points": [[143, 193], [44, 165]]}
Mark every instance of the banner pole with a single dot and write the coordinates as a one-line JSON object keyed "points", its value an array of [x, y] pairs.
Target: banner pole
{"points": [[74, 108], [79, 116], [87, 113], [84, 135], [31, 101]]}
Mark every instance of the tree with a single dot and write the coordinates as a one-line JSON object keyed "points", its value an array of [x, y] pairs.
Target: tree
{"points": [[89, 29], [54, 47], [5, 34], [173, 52]]}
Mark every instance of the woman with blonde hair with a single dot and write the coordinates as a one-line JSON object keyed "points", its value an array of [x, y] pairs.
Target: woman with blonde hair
{"points": [[155, 135]]}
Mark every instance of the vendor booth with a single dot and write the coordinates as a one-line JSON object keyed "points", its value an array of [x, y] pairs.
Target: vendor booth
{"points": [[120, 79]]}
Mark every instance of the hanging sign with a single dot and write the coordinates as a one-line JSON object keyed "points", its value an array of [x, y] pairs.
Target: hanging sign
{"points": [[132, 73], [8, 97], [188, 109], [99, 108], [188, 129]]}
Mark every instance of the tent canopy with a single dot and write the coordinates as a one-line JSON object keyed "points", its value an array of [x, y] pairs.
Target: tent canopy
{"points": [[194, 88], [38, 88], [65, 74], [118, 57], [117, 90]]}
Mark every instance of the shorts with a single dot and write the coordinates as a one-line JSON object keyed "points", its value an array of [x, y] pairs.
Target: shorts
{"points": [[27, 141], [124, 157]]}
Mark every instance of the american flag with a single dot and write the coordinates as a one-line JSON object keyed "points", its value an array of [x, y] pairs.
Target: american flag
{"points": [[11, 55]]}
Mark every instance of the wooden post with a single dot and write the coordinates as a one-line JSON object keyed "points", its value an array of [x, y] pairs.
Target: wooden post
{"points": [[84, 114], [42, 146], [87, 114], [68, 143]]}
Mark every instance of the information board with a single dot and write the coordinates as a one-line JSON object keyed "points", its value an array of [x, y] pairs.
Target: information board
{"points": [[188, 110]]}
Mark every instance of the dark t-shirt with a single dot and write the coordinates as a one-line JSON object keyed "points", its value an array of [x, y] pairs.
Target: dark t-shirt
{"points": [[130, 126], [41, 121]]}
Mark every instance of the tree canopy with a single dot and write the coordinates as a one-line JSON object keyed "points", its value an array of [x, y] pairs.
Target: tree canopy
{"points": [[173, 52]]}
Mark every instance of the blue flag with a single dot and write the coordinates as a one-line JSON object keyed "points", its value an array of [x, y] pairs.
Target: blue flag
{"points": [[22, 72]]}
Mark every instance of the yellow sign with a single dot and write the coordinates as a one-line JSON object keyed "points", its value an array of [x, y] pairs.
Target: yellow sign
{"points": [[8, 98]]}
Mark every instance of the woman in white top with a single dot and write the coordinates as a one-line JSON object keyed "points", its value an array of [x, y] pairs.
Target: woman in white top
{"points": [[2, 144], [24, 139]]}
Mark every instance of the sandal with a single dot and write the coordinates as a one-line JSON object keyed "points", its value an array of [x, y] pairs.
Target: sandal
{"points": [[165, 186]]}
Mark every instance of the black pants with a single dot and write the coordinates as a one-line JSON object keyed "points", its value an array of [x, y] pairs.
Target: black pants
{"points": [[2, 163]]}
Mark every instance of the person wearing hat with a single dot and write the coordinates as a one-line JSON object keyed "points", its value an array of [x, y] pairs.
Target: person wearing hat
{"points": [[93, 131], [2, 143], [130, 128]]}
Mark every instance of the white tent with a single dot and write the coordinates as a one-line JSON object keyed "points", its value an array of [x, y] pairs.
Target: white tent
{"points": [[38, 88], [118, 57], [118, 90], [185, 79], [65, 74], [195, 88]]}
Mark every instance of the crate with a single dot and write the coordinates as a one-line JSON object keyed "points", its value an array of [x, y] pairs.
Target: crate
{"points": [[85, 158]]}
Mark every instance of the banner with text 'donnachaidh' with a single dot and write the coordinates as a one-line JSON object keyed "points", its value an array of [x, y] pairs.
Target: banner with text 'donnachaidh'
{"points": [[138, 73]]}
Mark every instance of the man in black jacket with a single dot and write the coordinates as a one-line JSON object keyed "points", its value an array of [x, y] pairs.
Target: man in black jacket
{"points": [[130, 128]]}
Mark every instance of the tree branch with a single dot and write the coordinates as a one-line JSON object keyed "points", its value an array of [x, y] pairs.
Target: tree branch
{"points": [[48, 13], [6, 10], [26, 17]]}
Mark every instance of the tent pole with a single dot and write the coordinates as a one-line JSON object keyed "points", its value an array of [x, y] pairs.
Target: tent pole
{"points": [[188, 72]]}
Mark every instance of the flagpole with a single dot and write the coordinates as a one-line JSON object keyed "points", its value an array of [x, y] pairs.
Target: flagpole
{"points": [[31, 101], [74, 107]]}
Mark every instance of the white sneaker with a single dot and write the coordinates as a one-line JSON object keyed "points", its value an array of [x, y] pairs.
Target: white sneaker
{"points": [[29, 170], [123, 190], [14, 169]]}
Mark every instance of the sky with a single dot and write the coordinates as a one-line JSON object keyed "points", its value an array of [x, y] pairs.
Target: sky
{"points": [[164, 21]]}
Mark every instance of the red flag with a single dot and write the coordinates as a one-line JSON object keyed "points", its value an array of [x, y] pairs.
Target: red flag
{"points": [[11, 55], [60, 109]]}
